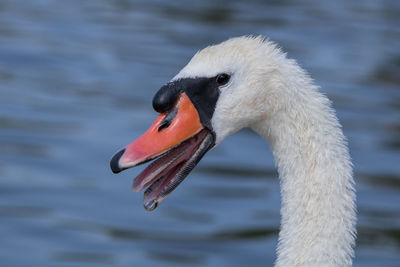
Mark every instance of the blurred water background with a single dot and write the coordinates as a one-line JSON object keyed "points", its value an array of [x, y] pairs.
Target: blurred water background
{"points": [[76, 83]]}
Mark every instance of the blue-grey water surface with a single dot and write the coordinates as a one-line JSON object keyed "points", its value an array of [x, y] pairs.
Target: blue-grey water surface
{"points": [[76, 83]]}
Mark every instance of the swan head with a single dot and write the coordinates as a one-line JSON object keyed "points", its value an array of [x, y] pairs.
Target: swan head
{"points": [[223, 89], [250, 94]]}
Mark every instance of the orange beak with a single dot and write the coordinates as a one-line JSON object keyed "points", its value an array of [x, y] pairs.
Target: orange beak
{"points": [[169, 130]]}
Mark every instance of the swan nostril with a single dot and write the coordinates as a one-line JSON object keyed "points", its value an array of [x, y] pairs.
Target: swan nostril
{"points": [[164, 124], [168, 119]]}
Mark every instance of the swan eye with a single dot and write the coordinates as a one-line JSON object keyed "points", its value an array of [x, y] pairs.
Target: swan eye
{"points": [[222, 79]]}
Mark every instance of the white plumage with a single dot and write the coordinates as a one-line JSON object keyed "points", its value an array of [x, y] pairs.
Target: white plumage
{"points": [[273, 96]]}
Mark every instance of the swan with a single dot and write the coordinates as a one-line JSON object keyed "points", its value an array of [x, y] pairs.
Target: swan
{"points": [[249, 82]]}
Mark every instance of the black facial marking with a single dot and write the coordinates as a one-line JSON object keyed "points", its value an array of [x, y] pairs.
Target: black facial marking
{"points": [[203, 92], [168, 119]]}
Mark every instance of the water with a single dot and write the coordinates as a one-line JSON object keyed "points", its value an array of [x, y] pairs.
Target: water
{"points": [[76, 83]]}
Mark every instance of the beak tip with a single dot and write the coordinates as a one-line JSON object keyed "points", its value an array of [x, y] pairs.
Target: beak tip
{"points": [[114, 163]]}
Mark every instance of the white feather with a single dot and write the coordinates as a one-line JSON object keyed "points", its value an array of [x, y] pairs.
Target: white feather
{"points": [[272, 95]]}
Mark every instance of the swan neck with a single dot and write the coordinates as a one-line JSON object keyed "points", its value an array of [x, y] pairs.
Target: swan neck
{"points": [[317, 193]]}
